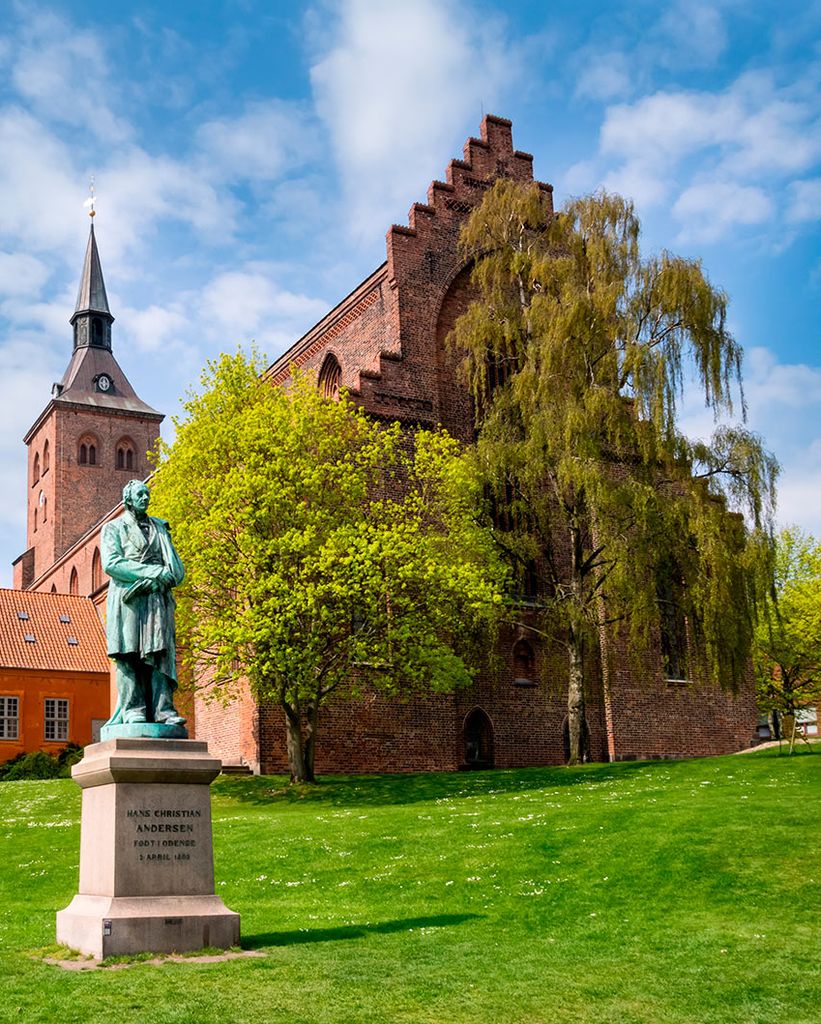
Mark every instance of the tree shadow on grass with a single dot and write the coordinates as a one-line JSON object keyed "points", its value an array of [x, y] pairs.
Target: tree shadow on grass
{"points": [[353, 931], [400, 789]]}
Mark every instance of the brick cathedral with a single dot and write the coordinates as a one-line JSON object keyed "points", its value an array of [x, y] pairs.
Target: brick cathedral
{"points": [[385, 343]]}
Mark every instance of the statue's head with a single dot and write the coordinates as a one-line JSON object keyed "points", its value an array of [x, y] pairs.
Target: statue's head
{"points": [[136, 496]]}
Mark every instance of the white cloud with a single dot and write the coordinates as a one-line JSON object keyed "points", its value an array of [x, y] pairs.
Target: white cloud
{"points": [[731, 157], [21, 275], [799, 491], [267, 139], [709, 209], [243, 305], [138, 189], [603, 75], [772, 385], [397, 86], [155, 327], [41, 192], [690, 33], [61, 71], [639, 180], [805, 201]]}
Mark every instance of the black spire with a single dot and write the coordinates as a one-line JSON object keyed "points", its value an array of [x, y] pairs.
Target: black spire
{"points": [[92, 318]]}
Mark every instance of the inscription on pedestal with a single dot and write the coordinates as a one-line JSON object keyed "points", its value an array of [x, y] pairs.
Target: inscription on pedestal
{"points": [[160, 837]]}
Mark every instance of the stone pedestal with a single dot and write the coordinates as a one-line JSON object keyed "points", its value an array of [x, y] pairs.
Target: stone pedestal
{"points": [[146, 857]]}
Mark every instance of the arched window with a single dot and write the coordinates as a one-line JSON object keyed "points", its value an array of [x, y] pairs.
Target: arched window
{"points": [[74, 583], [524, 662], [46, 457], [330, 377], [44, 506], [87, 450], [35, 520], [35, 473], [54, 588], [477, 734], [126, 455], [96, 331], [96, 570], [672, 623]]}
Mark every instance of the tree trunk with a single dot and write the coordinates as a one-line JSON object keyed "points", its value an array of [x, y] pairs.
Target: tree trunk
{"points": [[299, 767], [309, 742], [575, 685], [575, 705], [787, 729]]}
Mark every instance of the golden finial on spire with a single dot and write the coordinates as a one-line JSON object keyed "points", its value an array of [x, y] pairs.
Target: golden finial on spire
{"points": [[92, 198]]}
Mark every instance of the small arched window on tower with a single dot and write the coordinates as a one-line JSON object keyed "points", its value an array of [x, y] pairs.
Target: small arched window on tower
{"points": [[46, 458], [330, 378], [96, 331], [126, 455], [74, 583], [35, 520], [96, 570], [35, 473], [44, 505], [524, 663], [87, 450]]}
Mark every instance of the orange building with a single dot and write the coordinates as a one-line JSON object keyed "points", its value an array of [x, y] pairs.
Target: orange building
{"points": [[54, 672]]}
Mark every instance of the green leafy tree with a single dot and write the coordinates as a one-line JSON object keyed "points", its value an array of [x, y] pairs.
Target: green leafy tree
{"points": [[324, 552], [787, 649], [576, 352]]}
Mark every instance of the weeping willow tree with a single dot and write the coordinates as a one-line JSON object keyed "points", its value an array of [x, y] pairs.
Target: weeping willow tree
{"points": [[577, 352]]}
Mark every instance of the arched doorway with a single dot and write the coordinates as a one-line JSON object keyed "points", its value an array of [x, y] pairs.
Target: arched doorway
{"points": [[477, 740]]}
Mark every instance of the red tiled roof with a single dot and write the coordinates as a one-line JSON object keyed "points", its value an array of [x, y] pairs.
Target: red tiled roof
{"points": [[52, 646]]}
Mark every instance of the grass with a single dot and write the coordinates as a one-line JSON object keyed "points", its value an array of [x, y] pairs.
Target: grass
{"points": [[664, 892]]}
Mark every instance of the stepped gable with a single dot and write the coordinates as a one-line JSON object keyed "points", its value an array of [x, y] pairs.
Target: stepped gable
{"points": [[428, 277], [384, 334], [66, 630]]}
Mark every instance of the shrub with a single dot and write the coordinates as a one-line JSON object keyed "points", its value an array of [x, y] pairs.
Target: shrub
{"points": [[40, 765]]}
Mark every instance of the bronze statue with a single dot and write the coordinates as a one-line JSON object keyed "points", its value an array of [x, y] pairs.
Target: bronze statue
{"points": [[139, 556]]}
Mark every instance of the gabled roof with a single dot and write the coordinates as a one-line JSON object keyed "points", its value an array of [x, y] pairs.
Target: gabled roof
{"points": [[52, 647], [78, 385]]}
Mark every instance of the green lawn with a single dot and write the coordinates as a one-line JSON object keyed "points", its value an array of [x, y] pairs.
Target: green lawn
{"points": [[646, 892]]}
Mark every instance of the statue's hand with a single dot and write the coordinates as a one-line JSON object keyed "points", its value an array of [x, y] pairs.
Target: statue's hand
{"points": [[166, 577]]}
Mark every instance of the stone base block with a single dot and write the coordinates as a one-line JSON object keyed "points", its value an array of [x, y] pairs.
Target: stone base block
{"points": [[143, 730], [124, 925]]}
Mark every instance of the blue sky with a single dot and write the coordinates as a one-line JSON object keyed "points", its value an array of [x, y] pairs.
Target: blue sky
{"points": [[249, 157]]}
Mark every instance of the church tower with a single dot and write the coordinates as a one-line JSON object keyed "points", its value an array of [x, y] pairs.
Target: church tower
{"points": [[90, 439]]}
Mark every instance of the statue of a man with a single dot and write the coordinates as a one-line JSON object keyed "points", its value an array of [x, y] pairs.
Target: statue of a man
{"points": [[139, 556]]}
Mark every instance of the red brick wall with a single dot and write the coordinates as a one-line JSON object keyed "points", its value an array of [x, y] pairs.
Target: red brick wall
{"points": [[231, 728]]}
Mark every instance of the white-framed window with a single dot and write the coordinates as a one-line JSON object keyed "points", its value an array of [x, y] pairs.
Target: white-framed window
{"points": [[9, 718], [56, 719]]}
